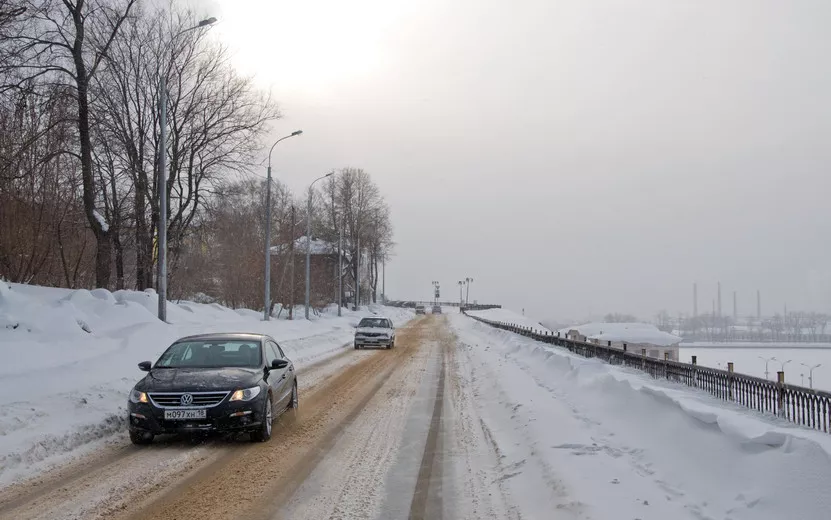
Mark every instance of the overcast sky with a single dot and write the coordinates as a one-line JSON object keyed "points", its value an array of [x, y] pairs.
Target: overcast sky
{"points": [[574, 157]]}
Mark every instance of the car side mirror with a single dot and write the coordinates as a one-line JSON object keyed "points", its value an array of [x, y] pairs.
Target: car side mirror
{"points": [[144, 366], [279, 364]]}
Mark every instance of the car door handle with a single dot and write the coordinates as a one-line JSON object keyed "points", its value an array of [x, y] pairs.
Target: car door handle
{"points": [[284, 376]]}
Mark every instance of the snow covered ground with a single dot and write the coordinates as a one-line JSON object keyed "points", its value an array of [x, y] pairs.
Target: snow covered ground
{"points": [[69, 361], [562, 434]]}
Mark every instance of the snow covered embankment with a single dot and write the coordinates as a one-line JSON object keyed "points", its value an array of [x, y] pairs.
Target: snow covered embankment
{"points": [[69, 360], [613, 443]]}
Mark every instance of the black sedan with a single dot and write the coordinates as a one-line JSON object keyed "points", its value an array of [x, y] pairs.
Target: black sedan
{"points": [[214, 383]]}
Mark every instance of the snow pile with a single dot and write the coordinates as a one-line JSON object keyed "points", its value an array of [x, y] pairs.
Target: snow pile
{"points": [[642, 333], [620, 444], [507, 316], [69, 359]]}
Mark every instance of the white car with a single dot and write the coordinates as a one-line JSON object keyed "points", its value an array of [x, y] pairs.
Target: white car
{"points": [[375, 331]]}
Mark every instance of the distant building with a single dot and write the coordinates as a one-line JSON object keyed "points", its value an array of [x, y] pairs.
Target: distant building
{"points": [[636, 336], [323, 270]]}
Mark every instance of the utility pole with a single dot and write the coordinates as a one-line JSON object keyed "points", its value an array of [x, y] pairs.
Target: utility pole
{"points": [[340, 267], [719, 299], [309, 242], [384, 280], [291, 252], [267, 282], [358, 275]]}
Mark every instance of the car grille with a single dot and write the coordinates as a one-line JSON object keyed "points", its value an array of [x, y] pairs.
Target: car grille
{"points": [[200, 399], [372, 334]]}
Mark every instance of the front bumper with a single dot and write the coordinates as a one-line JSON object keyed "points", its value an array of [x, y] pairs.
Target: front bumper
{"points": [[374, 340], [236, 416]]}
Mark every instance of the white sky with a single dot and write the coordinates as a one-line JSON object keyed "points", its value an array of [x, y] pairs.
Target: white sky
{"points": [[572, 156]]}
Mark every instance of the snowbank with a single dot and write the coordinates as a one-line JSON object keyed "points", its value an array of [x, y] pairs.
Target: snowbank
{"points": [[70, 359], [624, 445]]}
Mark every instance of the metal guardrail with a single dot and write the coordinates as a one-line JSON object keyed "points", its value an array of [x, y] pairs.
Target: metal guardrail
{"points": [[797, 404], [470, 306]]}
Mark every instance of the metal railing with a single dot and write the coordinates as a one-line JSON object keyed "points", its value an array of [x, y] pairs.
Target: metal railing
{"points": [[797, 404]]}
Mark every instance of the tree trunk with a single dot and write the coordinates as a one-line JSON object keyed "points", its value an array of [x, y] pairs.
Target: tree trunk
{"points": [[119, 261], [103, 256], [144, 241]]}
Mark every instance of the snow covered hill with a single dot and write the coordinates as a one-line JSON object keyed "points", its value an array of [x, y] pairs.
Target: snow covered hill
{"points": [[69, 360]]}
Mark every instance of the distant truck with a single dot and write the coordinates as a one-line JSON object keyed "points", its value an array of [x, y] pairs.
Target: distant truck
{"points": [[436, 309]]}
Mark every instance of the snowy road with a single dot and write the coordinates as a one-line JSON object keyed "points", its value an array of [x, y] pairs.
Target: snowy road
{"points": [[459, 421]]}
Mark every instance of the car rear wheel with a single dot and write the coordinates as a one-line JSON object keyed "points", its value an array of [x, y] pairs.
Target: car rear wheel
{"points": [[264, 433], [140, 438], [357, 346]]}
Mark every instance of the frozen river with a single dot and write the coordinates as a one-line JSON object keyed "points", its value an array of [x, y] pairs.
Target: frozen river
{"points": [[748, 360]]}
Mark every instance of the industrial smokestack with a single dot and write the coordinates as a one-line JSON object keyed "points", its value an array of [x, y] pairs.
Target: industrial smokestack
{"points": [[735, 308], [719, 299], [758, 305], [695, 300]]}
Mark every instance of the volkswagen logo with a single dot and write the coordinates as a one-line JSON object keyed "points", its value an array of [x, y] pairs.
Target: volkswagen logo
{"points": [[186, 399]]}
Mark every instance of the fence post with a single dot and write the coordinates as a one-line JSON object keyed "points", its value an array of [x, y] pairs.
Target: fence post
{"points": [[730, 380], [695, 371], [780, 377], [643, 359], [625, 347], [666, 367]]}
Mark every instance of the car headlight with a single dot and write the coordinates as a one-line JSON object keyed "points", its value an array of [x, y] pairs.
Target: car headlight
{"points": [[245, 395], [138, 397]]}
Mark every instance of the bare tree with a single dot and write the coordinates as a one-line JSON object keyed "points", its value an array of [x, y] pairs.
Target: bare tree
{"points": [[66, 42], [216, 118]]}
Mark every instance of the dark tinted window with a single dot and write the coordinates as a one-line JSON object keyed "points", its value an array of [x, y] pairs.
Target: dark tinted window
{"points": [[211, 354], [270, 353]]}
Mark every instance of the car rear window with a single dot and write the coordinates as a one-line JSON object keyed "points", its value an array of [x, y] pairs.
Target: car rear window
{"points": [[211, 354]]}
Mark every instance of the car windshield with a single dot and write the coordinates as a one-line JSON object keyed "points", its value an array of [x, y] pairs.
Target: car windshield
{"points": [[381, 323], [211, 354]]}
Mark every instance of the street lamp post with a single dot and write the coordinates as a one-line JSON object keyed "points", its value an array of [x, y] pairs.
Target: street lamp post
{"points": [[811, 373], [461, 298], [767, 360], [467, 293], [161, 266], [783, 363], [267, 290], [309, 241], [340, 266]]}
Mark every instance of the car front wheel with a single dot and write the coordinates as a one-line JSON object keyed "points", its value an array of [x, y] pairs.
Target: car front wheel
{"points": [[263, 434], [294, 404], [141, 438]]}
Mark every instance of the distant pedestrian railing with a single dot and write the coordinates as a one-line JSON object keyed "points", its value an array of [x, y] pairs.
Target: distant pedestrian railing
{"points": [[800, 405]]}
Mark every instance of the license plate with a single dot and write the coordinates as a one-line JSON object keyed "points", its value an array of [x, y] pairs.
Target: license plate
{"points": [[178, 415]]}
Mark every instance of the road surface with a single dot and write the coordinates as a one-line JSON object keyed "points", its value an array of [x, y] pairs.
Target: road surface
{"points": [[381, 434]]}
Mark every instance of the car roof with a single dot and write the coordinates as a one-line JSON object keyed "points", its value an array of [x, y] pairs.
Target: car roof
{"points": [[374, 318], [228, 336]]}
